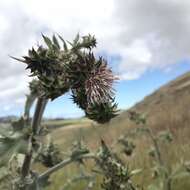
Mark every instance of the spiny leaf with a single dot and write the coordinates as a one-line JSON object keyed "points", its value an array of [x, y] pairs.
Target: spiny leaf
{"points": [[76, 39], [47, 41], [34, 53], [55, 41], [64, 43], [72, 44], [20, 60]]}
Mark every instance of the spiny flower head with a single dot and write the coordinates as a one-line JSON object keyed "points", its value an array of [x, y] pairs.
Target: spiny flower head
{"points": [[60, 68]]}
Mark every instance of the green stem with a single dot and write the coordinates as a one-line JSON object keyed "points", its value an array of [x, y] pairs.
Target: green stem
{"points": [[28, 104], [64, 163], [40, 106]]}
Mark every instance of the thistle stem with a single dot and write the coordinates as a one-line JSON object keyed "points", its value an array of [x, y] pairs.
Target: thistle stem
{"points": [[64, 163], [40, 107]]}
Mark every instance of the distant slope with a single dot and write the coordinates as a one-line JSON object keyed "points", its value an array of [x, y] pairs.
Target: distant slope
{"points": [[169, 106]]}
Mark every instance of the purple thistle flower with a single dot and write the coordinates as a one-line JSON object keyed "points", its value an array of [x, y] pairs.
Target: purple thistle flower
{"points": [[98, 85]]}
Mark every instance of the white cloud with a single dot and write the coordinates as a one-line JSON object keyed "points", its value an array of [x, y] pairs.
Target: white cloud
{"points": [[144, 34], [162, 26], [4, 25]]}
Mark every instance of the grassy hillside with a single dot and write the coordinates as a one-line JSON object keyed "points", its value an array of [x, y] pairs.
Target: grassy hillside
{"points": [[167, 108]]}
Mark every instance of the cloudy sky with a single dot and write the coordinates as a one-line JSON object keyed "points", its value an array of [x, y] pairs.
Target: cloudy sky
{"points": [[145, 41]]}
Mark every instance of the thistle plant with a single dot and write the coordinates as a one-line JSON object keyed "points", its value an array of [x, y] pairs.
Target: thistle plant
{"points": [[74, 69], [117, 176], [58, 68]]}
